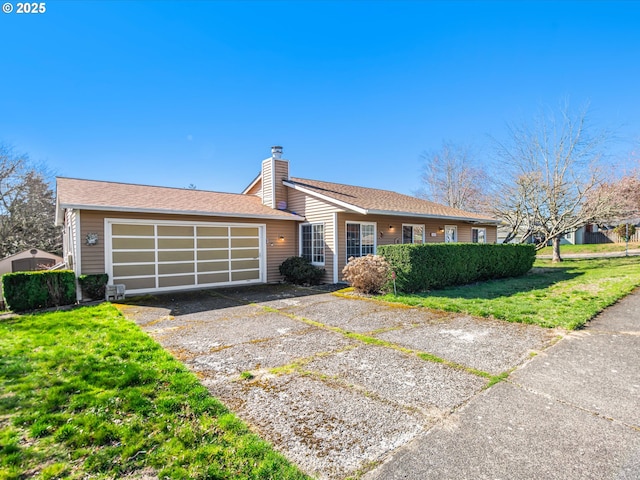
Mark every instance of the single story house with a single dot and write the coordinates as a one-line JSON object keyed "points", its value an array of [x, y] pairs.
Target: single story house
{"points": [[154, 239]]}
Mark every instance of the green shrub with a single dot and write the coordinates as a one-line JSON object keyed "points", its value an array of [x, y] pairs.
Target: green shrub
{"points": [[93, 285], [32, 290], [300, 271], [438, 265], [367, 274]]}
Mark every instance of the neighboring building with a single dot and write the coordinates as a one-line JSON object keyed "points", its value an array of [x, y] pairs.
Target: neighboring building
{"points": [[160, 239], [28, 261]]}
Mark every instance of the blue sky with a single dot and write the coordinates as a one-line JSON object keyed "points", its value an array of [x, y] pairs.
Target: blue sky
{"points": [[177, 93]]}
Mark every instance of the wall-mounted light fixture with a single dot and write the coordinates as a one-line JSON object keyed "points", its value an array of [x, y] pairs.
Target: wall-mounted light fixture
{"points": [[281, 238], [391, 227], [441, 229]]}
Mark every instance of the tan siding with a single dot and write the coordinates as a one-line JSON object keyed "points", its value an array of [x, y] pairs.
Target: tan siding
{"points": [[388, 236], [277, 250], [255, 189], [267, 182], [316, 211], [281, 173], [91, 256]]}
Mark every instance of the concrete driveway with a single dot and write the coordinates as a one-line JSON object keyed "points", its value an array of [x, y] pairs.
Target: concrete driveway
{"points": [[337, 384]]}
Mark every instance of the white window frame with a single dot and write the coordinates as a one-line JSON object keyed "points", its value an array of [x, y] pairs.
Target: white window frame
{"points": [[446, 234], [478, 235], [300, 243], [413, 235], [375, 236]]}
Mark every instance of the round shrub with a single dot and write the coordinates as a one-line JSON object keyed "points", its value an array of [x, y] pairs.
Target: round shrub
{"points": [[300, 271], [367, 274]]}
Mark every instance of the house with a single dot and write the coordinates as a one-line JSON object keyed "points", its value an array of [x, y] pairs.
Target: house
{"points": [[155, 239]]}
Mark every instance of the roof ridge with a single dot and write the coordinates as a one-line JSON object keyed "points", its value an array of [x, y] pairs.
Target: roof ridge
{"points": [[152, 186]]}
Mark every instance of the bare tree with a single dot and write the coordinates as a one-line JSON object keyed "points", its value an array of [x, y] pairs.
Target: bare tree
{"points": [[451, 176], [27, 206], [552, 171]]}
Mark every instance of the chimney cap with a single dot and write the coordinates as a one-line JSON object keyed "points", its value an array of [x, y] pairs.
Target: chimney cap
{"points": [[276, 152]]}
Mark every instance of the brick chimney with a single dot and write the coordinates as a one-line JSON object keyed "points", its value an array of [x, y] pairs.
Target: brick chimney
{"points": [[274, 170]]}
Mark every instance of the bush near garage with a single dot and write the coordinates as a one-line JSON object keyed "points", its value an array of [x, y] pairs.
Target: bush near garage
{"points": [[93, 285], [438, 265], [25, 291], [300, 271], [368, 274]]}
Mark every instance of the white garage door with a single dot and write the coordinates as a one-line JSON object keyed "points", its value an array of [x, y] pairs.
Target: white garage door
{"points": [[156, 256]]}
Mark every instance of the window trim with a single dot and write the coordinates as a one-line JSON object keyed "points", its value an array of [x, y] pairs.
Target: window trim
{"points": [[375, 236], [324, 242], [479, 228], [413, 225]]}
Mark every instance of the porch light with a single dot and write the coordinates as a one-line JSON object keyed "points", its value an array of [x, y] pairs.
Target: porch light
{"points": [[281, 238], [391, 227], [441, 229]]}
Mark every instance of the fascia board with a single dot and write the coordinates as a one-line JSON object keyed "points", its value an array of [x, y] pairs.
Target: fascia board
{"points": [[428, 215], [182, 212]]}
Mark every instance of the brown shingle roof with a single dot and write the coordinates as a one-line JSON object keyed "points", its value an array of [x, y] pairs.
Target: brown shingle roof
{"points": [[99, 195], [375, 201]]}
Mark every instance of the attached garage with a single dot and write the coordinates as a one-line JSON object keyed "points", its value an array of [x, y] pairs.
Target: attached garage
{"points": [[152, 256]]}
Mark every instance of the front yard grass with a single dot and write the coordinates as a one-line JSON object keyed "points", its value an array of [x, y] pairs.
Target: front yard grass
{"points": [[86, 394], [567, 294], [590, 248]]}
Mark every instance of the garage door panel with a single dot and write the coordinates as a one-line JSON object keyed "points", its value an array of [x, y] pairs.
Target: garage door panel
{"points": [[175, 231], [173, 243], [175, 256], [170, 268], [133, 230], [213, 266], [178, 281], [245, 242], [133, 257], [213, 254], [137, 283], [251, 275], [212, 278], [133, 270], [212, 231], [245, 264], [244, 232], [248, 253], [213, 243], [133, 244]]}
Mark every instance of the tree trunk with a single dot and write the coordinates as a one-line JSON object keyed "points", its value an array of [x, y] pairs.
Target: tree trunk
{"points": [[555, 242]]}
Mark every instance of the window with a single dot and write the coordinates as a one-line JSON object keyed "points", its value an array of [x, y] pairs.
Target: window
{"points": [[361, 239], [412, 233], [450, 234], [312, 244], [479, 235]]}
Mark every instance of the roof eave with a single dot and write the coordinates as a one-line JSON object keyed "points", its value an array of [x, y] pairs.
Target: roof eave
{"points": [[102, 208], [432, 215]]}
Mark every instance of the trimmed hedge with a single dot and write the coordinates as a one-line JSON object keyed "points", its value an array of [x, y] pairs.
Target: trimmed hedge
{"points": [[93, 285], [25, 291], [438, 265]]}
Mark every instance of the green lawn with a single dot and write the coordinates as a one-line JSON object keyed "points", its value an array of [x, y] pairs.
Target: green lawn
{"points": [[593, 248], [86, 394], [566, 294]]}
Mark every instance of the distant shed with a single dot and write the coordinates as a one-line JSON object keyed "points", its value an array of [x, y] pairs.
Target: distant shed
{"points": [[27, 261]]}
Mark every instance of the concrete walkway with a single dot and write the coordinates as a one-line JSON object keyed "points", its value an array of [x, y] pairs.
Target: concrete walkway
{"points": [[573, 412], [568, 256]]}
